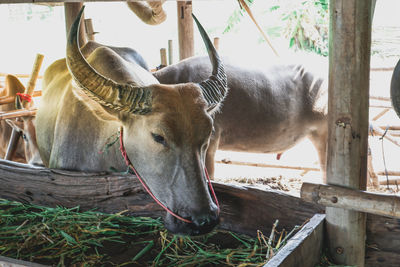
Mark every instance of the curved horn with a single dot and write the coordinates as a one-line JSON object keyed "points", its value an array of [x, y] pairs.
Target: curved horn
{"points": [[395, 89], [151, 13], [215, 87], [119, 97]]}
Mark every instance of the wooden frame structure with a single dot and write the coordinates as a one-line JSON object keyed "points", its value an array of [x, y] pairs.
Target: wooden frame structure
{"points": [[347, 230]]}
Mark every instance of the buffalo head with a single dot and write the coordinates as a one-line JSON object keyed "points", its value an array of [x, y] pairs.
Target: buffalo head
{"points": [[166, 129]]}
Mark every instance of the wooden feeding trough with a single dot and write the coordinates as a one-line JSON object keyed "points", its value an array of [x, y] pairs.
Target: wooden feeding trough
{"points": [[243, 209]]}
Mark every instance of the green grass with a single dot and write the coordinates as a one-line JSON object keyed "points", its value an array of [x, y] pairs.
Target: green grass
{"points": [[65, 237]]}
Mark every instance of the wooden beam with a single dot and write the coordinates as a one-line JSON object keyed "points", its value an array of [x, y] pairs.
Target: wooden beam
{"points": [[304, 248], [349, 62], [351, 199], [242, 208], [185, 29], [71, 10]]}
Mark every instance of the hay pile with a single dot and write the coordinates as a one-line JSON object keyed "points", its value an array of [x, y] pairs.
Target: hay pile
{"points": [[67, 237]]}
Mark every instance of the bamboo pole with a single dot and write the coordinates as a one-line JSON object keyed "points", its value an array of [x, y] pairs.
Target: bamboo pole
{"points": [[351, 199], [11, 99], [263, 165], [12, 145], [170, 52], [380, 114], [248, 10], [349, 61], [388, 173], [20, 75], [380, 132], [185, 29], [163, 56], [89, 29], [17, 113], [71, 10]]}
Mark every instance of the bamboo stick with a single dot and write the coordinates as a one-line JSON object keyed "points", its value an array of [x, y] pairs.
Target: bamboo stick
{"points": [[383, 112], [388, 173], [89, 29], [380, 98], [380, 132], [170, 52], [17, 113], [263, 165], [351, 199], [246, 7], [391, 181], [163, 56], [20, 75]]}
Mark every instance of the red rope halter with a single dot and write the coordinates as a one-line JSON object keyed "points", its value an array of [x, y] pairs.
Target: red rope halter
{"points": [[25, 97], [129, 164]]}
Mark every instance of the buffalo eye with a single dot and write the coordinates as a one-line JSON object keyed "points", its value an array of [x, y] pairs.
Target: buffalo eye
{"points": [[159, 139]]}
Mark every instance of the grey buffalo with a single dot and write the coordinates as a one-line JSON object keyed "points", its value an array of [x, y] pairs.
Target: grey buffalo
{"points": [[266, 110]]}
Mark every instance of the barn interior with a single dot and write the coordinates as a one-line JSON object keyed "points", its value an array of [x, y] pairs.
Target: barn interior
{"points": [[352, 218]]}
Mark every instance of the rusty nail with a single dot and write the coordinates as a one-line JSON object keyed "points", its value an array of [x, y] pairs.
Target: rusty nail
{"points": [[334, 199]]}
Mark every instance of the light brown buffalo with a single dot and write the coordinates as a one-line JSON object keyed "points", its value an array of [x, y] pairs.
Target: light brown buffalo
{"points": [[166, 128]]}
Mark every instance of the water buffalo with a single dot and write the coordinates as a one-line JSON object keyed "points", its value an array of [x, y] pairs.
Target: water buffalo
{"points": [[12, 87], [266, 110], [395, 89], [166, 128]]}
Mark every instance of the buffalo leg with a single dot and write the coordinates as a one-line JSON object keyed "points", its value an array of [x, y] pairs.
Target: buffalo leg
{"points": [[320, 141]]}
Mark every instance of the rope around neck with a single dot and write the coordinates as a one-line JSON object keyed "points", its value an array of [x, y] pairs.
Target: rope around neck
{"points": [[129, 164]]}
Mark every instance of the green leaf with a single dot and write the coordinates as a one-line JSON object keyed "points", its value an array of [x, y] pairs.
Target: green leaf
{"points": [[69, 238]]}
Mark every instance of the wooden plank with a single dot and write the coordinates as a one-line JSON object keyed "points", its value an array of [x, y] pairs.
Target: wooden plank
{"points": [[304, 248], [185, 29], [350, 199], [349, 61], [383, 241], [243, 209], [9, 262], [71, 10]]}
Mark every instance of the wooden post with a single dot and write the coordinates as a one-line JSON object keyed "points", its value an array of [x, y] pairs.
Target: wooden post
{"points": [[71, 11], [349, 62], [163, 56], [185, 29], [89, 29], [170, 52]]}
